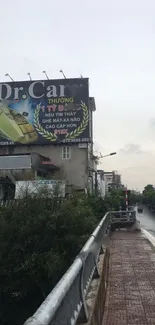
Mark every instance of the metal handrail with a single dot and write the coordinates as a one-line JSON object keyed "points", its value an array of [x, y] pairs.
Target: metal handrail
{"points": [[66, 302]]}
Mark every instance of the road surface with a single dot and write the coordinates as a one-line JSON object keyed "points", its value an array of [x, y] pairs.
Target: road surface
{"points": [[147, 220]]}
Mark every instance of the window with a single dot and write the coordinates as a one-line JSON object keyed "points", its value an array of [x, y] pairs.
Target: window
{"points": [[41, 174], [66, 152], [45, 158]]}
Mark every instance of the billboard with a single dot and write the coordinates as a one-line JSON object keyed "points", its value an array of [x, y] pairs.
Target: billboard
{"points": [[44, 112]]}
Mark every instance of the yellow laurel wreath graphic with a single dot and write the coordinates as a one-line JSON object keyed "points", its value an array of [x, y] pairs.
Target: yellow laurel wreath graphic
{"points": [[72, 135], [46, 134]]}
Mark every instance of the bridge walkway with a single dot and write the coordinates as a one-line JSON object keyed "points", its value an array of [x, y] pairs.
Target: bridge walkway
{"points": [[130, 297]]}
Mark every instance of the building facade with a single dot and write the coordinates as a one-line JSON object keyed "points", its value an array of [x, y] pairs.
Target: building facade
{"points": [[101, 183], [108, 181]]}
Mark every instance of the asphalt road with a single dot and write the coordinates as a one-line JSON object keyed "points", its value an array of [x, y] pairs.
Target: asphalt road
{"points": [[147, 220]]}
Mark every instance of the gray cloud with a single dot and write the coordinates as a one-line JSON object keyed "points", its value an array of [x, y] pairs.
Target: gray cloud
{"points": [[152, 123], [131, 148], [121, 67]]}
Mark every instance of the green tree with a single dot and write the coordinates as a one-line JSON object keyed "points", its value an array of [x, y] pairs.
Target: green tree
{"points": [[149, 196], [112, 202], [40, 237], [115, 199], [135, 197], [39, 240]]}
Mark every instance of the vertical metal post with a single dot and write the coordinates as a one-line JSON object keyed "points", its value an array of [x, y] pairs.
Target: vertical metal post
{"points": [[83, 316], [35, 174], [96, 185], [126, 198]]}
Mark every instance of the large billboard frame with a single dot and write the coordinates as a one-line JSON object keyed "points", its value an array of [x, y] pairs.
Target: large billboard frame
{"points": [[43, 112]]}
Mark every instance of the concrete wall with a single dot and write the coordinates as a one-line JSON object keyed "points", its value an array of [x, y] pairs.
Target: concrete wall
{"points": [[74, 170], [101, 185]]}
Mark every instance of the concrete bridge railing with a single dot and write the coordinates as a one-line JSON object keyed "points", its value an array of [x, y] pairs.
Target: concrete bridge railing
{"points": [[66, 304]]}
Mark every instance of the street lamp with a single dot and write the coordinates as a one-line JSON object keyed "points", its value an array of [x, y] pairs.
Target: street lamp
{"points": [[96, 172], [113, 153], [110, 154]]}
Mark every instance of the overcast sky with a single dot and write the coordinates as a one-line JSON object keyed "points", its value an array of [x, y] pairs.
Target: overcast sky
{"points": [[113, 43]]}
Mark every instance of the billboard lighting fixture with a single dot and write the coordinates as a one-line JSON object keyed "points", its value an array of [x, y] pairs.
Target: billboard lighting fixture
{"points": [[81, 76], [61, 71], [7, 75], [29, 75], [45, 74]]}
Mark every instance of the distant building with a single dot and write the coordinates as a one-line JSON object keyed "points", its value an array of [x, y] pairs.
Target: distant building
{"points": [[112, 181], [101, 183], [108, 178]]}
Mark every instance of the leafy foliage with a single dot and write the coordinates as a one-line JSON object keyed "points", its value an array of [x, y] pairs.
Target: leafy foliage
{"points": [[135, 197], [40, 237], [149, 196]]}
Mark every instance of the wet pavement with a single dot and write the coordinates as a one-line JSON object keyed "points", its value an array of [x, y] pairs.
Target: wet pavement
{"points": [[147, 220], [130, 297]]}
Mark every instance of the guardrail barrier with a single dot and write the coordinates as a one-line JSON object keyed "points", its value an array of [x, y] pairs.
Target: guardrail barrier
{"points": [[66, 303]]}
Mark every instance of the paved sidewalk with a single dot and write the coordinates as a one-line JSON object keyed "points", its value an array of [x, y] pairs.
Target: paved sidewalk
{"points": [[130, 298]]}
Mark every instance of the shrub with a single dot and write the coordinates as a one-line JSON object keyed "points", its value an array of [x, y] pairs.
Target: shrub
{"points": [[40, 237]]}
